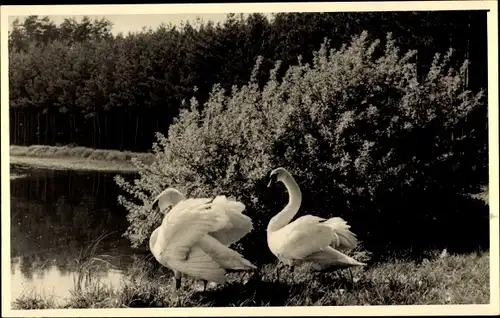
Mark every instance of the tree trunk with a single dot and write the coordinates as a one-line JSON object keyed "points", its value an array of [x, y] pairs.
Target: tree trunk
{"points": [[54, 131], [70, 128], [106, 141], [98, 131], [136, 129], [93, 134], [38, 127], [25, 126], [46, 127]]}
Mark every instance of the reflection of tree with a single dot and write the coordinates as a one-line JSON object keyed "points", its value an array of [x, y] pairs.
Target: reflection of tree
{"points": [[56, 215]]}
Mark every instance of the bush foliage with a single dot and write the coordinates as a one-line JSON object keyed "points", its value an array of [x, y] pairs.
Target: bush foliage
{"points": [[363, 135]]}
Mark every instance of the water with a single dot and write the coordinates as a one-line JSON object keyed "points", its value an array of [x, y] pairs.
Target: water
{"points": [[55, 218]]}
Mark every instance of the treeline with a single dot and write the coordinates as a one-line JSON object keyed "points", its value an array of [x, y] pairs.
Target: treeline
{"points": [[77, 83]]}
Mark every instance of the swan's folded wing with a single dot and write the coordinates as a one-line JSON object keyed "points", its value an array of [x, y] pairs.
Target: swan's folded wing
{"points": [[238, 224], [329, 257], [344, 239], [200, 265], [180, 236], [303, 241], [185, 225]]}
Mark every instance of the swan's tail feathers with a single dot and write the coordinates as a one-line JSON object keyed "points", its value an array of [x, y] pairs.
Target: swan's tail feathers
{"points": [[330, 257], [344, 238], [200, 265]]}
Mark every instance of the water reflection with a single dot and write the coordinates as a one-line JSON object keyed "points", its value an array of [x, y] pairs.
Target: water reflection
{"points": [[55, 218], [50, 281]]}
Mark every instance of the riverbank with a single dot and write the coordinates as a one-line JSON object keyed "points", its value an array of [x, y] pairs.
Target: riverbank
{"points": [[444, 279], [76, 158]]}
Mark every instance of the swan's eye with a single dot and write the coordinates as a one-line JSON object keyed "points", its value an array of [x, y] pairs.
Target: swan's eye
{"points": [[274, 177]]}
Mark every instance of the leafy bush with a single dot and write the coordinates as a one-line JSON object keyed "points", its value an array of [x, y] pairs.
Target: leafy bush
{"points": [[363, 136]]}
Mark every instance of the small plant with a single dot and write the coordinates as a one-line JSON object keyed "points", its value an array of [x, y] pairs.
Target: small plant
{"points": [[33, 300]]}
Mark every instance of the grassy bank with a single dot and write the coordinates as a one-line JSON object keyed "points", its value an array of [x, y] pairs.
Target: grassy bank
{"points": [[75, 158], [449, 279]]}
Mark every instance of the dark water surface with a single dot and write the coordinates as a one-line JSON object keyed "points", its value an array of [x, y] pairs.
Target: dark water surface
{"points": [[56, 216]]}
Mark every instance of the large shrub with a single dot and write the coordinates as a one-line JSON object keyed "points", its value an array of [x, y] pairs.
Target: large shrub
{"points": [[365, 139]]}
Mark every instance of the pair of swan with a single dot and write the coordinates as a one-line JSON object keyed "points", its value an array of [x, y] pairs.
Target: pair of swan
{"points": [[195, 236]]}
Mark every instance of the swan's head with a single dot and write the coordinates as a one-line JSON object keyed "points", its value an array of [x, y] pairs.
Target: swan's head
{"points": [[278, 174], [168, 197]]}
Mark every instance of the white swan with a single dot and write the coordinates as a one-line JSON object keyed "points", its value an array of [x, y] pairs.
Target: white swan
{"points": [[232, 226], [309, 239]]}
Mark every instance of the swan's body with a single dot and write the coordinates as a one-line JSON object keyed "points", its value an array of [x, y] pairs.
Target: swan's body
{"points": [[203, 229], [308, 239]]}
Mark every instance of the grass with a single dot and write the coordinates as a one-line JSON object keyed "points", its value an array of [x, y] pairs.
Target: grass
{"points": [[33, 300], [76, 158], [442, 279]]}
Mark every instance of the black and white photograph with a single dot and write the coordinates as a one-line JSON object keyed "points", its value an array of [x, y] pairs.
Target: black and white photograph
{"points": [[302, 156]]}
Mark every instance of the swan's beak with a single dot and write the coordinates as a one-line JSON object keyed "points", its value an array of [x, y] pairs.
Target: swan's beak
{"points": [[273, 178]]}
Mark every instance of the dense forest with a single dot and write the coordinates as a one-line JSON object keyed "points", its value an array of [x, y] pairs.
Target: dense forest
{"points": [[77, 83]]}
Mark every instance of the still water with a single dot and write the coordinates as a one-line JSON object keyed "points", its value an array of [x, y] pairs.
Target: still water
{"points": [[56, 217]]}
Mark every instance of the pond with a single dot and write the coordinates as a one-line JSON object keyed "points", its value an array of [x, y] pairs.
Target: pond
{"points": [[58, 217]]}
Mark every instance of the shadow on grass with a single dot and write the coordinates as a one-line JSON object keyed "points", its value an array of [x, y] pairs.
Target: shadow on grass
{"points": [[254, 293]]}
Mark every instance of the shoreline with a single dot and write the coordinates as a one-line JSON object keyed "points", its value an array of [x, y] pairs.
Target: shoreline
{"points": [[75, 158], [443, 279], [69, 163]]}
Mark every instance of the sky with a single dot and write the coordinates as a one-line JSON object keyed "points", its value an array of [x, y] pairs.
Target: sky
{"points": [[125, 23]]}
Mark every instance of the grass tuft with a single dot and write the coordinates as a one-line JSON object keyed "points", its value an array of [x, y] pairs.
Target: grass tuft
{"points": [[34, 300]]}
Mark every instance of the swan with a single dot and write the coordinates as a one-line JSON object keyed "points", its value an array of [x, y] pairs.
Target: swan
{"points": [[308, 239], [234, 226]]}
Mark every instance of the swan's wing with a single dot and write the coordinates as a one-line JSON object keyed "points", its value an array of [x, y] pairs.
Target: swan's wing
{"points": [[305, 239], [223, 201], [183, 231], [191, 203], [224, 256], [200, 265], [238, 224], [179, 236], [186, 223], [344, 239]]}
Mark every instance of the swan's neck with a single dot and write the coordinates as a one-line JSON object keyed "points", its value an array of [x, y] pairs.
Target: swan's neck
{"points": [[294, 199]]}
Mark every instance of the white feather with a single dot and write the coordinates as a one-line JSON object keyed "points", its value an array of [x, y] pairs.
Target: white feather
{"points": [[309, 238], [182, 242]]}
